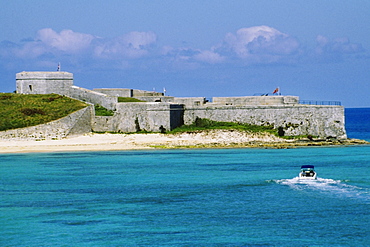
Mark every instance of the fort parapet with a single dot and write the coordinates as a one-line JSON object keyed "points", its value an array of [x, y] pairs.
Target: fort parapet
{"points": [[161, 112], [256, 100]]}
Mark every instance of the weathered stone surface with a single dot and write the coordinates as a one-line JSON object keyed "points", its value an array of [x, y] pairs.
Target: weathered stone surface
{"points": [[134, 117], [321, 121], [124, 92], [256, 100], [118, 92], [190, 101], [44, 82], [93, 97]]}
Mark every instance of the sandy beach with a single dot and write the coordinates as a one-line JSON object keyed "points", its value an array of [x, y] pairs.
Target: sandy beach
{"points": [[205, 139]]}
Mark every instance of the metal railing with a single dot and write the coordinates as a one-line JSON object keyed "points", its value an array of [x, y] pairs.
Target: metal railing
{"points": [[318, 102]]}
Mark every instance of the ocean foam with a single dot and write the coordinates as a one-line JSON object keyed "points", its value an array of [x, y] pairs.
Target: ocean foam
{"points": [[328, 186]]}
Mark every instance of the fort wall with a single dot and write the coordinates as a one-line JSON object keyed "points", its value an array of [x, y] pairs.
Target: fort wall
{"points": [[93, 97], [256, 100], [133, 117], [77, 123], [190, 101], [123, 92], [321, 121], [118, 92], [283, 112], [167, 99]]}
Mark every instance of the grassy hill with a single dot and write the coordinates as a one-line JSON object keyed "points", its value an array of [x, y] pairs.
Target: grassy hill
{"points": [[18, 111]]}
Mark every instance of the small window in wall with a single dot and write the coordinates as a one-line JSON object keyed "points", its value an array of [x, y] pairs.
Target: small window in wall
{"points": [[30, 86]]}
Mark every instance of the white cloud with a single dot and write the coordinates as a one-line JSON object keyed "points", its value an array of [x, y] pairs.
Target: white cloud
{"points": [[189, 57], [338, 45], [252, 45], [139, 40], [67, 40], [131, 45], [81, 46], [31, 50], [259, 44], [50, 43], [209, 57]]}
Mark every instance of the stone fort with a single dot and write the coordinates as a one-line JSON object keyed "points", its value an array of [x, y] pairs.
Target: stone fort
{"points": [[160, 112]]}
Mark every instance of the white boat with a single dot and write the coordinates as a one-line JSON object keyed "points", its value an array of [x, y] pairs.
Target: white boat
{"points": [[307, 172]]}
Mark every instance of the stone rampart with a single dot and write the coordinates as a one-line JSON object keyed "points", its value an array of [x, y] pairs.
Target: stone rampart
{"points": [[77, 123], [124, 92], [256, 100], [321, 121], [133, 117], [190, 101], [93, 97], [156, 98], [143, 93], [118, 92]]}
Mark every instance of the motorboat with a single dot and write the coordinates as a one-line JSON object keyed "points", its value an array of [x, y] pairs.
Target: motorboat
{"points": [[307, 172]]}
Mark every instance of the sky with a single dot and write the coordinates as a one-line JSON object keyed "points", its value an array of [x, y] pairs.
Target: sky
{"points": [[317, 50]]}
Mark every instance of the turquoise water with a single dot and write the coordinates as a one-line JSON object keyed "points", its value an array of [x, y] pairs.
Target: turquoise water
{"points": [[358, 123], [215, 197]]}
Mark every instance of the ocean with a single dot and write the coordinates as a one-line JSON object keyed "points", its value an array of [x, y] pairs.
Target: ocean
{"points": [[192, 197]]}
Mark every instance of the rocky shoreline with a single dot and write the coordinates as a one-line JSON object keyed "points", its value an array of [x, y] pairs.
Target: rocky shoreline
{"points": [[272, 145], [198, 139], [238, 139]]}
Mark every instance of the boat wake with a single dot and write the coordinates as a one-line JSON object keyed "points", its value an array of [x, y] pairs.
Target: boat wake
{"points": [[329, 186]]}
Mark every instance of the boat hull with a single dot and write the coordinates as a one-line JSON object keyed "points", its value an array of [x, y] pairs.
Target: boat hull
{"points": [[305, 177]]}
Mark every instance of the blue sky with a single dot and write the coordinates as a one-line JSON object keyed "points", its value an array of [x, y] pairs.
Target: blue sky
{"points": [[317, 50]]}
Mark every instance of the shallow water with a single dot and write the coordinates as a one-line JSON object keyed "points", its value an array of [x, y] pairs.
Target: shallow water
{"points": [[215, 197]]}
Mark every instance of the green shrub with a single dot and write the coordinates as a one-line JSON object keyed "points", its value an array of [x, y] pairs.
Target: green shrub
{"points": [[51, 99], [5, 97], [32, 111]]}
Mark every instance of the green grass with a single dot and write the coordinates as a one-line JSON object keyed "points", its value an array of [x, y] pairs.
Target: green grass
{"points": [[18, 111], [128, 99], [206, 124], [101, 111]]}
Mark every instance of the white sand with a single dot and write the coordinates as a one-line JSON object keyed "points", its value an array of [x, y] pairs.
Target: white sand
{"points": [[95, 142]]}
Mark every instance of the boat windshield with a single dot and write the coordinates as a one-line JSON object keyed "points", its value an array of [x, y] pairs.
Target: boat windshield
{"points": [[307, 168]]}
